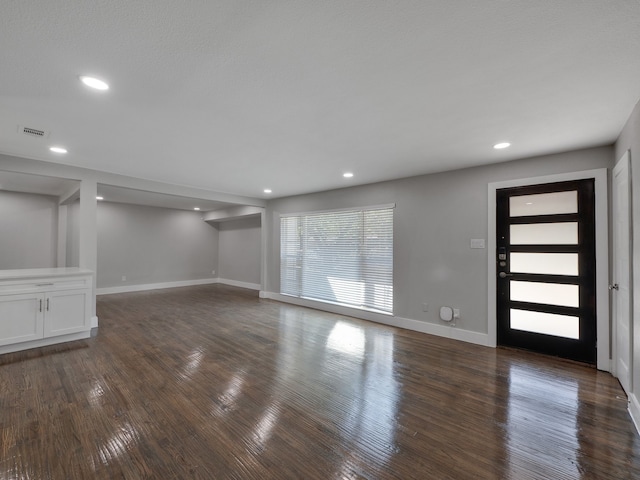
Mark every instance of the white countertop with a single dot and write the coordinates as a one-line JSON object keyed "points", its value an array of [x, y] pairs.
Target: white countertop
{"points": [[26, 273]]}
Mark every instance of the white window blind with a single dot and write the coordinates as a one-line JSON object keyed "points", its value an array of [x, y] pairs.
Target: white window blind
{"points": [[343, 257]]}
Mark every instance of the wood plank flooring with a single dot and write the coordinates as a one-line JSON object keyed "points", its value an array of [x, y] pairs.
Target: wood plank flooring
{"points": [[211, 382]]}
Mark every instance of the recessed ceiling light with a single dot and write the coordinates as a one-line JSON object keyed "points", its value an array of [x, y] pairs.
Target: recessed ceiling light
{"points": [[58, 149], [99, 198], [196, 208], [93, 82], [347, 175], [267, 190], [500, 146]]}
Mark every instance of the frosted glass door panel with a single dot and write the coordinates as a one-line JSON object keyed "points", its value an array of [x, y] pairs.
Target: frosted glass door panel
{"points": [[545, 263], [546, 323], [547, 293], [543, 204], [565, 233]]}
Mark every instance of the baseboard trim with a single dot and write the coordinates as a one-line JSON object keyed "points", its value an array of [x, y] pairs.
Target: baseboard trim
{"points": [[44, 342], [154, 286], [634, 411], [446, 331], [237, 283], [406, 323], [94, 322], [329, 307]]}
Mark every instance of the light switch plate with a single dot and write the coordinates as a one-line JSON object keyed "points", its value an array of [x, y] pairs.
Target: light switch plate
{"points": [[477, 243]]}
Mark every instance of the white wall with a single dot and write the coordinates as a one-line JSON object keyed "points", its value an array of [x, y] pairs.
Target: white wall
{"points": [[239, 250], [435, 218], [73, 235], [151, 245], [28, 230], [630, 140]]}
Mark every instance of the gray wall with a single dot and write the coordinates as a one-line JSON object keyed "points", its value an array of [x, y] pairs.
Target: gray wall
{"points": [[435, 218], [29, 230], [630, 140], [239, 250], [153, 245]]}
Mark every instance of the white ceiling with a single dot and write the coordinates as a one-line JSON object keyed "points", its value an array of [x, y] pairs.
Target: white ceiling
{"points": [[239, 95], [58, 187], [111, 193], [27, 183]]}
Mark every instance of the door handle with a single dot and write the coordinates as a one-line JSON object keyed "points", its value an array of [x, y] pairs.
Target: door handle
{"points": [[614, 287], [505, 274]]}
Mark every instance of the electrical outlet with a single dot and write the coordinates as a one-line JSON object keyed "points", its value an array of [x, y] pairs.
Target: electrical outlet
{"points": [[456, 313], [124, 278], [213, 272], [425, 307]]}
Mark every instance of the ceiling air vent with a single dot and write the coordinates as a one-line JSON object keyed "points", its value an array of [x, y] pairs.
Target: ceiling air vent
{"points": [[33, 132]]}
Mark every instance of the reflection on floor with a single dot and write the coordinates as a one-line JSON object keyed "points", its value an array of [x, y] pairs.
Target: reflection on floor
{"points": [[211, 382]]}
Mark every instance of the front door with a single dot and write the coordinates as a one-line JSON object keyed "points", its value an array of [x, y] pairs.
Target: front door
{"points": [[546, 269]]}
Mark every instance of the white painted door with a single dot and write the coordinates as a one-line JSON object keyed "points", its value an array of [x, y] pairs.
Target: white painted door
{"points": [[66, 312], [620, 287], [21, 318]]}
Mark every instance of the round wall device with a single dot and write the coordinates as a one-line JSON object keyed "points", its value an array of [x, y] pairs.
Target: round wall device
{"points": [[446, 314]]}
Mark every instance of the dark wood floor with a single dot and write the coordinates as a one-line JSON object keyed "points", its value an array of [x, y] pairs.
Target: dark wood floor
{"points": [[210, 382]]}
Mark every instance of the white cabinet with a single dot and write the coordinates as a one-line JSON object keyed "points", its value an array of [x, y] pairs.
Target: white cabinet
{"points": [[66, 312], [44, 306], [27, 308]]}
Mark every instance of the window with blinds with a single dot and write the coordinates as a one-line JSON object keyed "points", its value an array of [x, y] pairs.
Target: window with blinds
{"points": [[343, 257]]}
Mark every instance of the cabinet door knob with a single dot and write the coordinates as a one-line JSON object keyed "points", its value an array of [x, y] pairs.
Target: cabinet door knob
{"points": [[47, 304]]}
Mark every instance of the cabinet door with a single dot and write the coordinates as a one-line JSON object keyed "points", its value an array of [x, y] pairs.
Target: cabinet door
{"points": [[66, 312], [21, 318]]}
